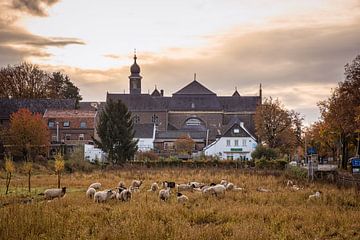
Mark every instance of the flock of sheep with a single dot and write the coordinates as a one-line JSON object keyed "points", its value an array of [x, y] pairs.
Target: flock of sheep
{"points": [[123, 193]]}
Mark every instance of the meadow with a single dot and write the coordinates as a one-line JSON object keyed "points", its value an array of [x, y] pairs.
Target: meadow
{"points": [[281, 214]]}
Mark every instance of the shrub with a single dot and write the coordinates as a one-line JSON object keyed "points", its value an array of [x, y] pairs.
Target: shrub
{"points": [[146, 156], [296, 173], [264, 152]]}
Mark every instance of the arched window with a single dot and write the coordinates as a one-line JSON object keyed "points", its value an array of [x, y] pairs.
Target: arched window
{"points": [[155, 119], [193, 122], [136, 119]]}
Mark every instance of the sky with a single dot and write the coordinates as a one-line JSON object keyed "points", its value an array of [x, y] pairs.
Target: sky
{"points": [[296, 49]]}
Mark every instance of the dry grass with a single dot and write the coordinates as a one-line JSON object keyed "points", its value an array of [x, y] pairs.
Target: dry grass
{"points": [[239, 215]]}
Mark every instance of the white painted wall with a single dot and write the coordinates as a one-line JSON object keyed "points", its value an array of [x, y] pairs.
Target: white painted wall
{"points": [[91, 153], [145, 144], [221, 149]]}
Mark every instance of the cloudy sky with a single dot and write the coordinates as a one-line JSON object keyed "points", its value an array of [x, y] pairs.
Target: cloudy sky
{"points": [[296, 49]]}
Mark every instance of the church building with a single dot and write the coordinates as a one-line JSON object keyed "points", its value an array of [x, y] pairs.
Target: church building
{"points": [[194, 111]]}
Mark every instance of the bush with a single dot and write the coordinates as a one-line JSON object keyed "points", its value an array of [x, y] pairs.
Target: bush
{"points": [[147, 156], [296, 173], [264, 152], [81, 165], [276, 164]]}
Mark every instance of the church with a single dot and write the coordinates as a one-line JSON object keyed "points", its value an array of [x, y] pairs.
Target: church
{"points": [[194, 111]]}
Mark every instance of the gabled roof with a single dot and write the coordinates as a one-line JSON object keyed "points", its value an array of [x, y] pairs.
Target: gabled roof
{"points": [[144, 130], [236, 93], [156, 93], [235, 123], [194, 88]]}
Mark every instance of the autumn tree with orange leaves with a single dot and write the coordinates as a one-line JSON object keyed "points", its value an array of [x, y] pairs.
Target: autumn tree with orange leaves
{"points": [[29, 135], [184, 144]]}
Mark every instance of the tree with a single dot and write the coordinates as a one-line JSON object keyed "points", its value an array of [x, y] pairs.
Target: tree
{"points": [[28, 169], [27, 80], [116, 133], [341, 111], [184, 144], [59, 166], [264, 152], [9, 169], [278, 127], [29, 135]]}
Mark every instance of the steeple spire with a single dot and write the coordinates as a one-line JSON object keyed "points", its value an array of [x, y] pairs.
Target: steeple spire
{"points": [[135, 78]]}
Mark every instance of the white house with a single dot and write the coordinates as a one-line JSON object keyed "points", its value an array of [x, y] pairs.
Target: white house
{"points": [[92, 154], [235, 143], [145, 133]]}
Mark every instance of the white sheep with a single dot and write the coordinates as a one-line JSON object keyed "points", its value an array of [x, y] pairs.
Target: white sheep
{"points": [[90, 192], [52, 193], [238, 189], [289, 183], [181, 198], [164, 194], [224, 182], [261, 189], [295, 188], [195, 184], [96, 185], [102, 196], [314, 196], [184, 187], [136, 183], [154, 187], [217, 190], [124, 195], [230, 186]]}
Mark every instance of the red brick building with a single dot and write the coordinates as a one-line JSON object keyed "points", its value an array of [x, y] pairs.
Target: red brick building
{"points": [[71, 127]]}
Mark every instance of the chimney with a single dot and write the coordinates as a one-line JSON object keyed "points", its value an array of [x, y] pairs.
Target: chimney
{"points": [[162, 92]]}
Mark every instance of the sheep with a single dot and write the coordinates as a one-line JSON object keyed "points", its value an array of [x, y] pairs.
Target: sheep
{"points": [[289, 183], [181, 198], [261, 189], [113, 194], [134, 189], [195, 184], [136, 183], [154, 187], [224, 182], [314, 196], [184, 187], [167, 184], [52, 193], [121, 185], [90, 192], [96, 186], [124, 195], [295, 188], [217, 190], [164, 194], [230, 186], [238, 189], [102, 196]]}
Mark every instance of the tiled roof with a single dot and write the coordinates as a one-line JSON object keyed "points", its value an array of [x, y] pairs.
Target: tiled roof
{"points": [[90, 105], [140, 102], [69, 113], [144, 130], [175, 134], [194, 88], [194, 103], [9, 106], [239, 103]]}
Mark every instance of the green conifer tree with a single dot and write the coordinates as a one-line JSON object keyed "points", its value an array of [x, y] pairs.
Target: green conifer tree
{"points": [[116, 133]]}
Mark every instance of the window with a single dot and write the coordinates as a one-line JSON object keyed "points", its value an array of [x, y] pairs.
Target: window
{"points": [[136, 119], [236, 142], [66, 124], [51, 124], [227, 142], [193, 122], [81, 136], [244, 142], [155, 118], [67, 136], [83, 125], [230, 157], [236, 130]]}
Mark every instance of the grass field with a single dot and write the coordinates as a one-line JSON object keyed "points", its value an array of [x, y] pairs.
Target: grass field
{"points": [[282, 214]]}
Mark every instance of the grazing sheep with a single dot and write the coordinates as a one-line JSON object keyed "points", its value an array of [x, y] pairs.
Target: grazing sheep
{"points": [[295, 188], [181, 198], [167, 184], [121, 185], [261, 189], [136, 183], [314, 196], [102, 196], [196, 184], [224, 182], [54, 193], [289, 183], [113, 194], [96, 186], [124, 195], [184, 187], [164, 194], [90, 192], [217, 190], [134, 189], [154, 187], [238, 189], [230, 186]]}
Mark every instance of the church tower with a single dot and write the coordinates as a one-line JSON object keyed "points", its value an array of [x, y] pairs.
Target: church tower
{"points": [[135, 78]]}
